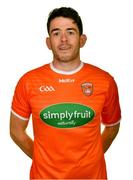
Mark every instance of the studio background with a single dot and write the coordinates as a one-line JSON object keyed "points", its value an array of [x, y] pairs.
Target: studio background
{"points": [[109, 28]]}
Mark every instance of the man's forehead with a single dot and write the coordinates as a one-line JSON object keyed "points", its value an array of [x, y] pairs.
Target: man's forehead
{"points": [[62, 21]]}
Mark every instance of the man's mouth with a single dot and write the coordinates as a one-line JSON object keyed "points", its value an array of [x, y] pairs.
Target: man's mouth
{"points": [[64, 47]]}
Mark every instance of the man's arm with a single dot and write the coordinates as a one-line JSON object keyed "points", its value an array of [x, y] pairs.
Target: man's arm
{"points": [[108, 135], [19, 135]]}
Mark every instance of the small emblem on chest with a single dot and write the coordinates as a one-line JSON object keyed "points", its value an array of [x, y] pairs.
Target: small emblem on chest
{"points": [[87, 88], [46, 88]]}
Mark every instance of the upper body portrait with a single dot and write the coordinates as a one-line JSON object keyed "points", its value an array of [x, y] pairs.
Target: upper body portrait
{"points": [[68, 100]]}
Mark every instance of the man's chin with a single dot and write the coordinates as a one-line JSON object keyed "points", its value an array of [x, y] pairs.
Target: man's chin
{"points": [[65, 59]]}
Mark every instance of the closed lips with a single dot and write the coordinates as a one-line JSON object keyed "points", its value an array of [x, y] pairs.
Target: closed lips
{"points": [[64, 47]]}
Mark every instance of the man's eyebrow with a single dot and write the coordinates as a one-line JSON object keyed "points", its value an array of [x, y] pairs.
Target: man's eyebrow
{"points": [[74, 29], [55, 29], [68, 29]]}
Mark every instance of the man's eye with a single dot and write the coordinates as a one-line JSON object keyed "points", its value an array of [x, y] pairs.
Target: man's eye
{"points": [[70, 32], [56, 33]]}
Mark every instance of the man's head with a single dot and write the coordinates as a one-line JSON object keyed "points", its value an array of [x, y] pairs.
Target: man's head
{"points": [[65, 34], [65, 12]]}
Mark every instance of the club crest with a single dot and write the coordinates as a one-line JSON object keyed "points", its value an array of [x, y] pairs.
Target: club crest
{"points": [[87, 88]]}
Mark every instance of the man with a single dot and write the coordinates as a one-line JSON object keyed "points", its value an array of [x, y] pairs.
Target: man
{"points": [[68, 100]]}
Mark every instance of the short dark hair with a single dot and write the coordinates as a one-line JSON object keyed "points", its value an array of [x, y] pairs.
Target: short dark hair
{"points": [[66, 12]]}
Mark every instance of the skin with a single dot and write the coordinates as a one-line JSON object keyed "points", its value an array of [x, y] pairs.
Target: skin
{"points": [[65, 42], [108, 136], [19, 135]]}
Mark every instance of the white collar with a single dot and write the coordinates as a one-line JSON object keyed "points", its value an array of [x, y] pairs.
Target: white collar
{"points": [[66, 72]]}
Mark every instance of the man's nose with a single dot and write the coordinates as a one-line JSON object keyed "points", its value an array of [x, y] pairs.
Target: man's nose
{"points": [[63, 37]]}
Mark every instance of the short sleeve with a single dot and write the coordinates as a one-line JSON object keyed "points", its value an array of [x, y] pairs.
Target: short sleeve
{"points": [[111, 113], [20, 104]]}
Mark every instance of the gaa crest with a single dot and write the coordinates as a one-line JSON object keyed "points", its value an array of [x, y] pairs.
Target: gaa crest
{"points": [[87, 88]]}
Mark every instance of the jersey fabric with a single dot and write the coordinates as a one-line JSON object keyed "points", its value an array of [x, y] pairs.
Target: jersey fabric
{"points": [[67, 110]]}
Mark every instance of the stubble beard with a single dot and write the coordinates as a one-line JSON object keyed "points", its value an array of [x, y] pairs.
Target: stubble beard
{"points": [[65, 58]]}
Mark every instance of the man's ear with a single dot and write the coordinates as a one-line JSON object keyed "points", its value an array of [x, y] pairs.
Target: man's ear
{"points": [[48, 43], [83, 39]]}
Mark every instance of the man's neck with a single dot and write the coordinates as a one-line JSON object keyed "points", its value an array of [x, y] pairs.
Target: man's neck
{"points": [[66, 66]]}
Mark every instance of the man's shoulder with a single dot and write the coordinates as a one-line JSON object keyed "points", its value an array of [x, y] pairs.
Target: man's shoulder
{"points": [[36, 71], [95, 70]]}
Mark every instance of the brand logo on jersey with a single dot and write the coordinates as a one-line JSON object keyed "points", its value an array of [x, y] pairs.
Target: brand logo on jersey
{"points": [[46, 88], [67, 80], [87, 88], [67, 115]]}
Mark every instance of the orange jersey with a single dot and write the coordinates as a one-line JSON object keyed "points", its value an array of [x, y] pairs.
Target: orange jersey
{"points": [[67, 110]]}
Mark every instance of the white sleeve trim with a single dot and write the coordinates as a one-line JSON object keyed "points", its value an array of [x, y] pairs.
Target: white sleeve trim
{"points": [[20, 117], [109, 125]]}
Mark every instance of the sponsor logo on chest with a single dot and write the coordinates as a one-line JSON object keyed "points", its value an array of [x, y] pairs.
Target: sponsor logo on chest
{"points": [[67, 115]]}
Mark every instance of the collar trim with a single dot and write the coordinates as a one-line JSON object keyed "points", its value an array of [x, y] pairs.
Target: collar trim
{"points": [[67, 72]]}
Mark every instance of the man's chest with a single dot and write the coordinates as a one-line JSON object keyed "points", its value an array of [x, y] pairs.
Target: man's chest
{"points": [[67, 98]]}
